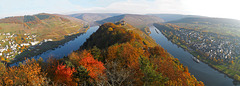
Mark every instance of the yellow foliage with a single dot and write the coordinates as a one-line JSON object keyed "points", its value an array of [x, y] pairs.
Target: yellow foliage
{"points": [[2, 59], [110, 29], [29, 74]]}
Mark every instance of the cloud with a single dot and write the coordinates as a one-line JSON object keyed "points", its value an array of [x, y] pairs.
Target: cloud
{"points": [[93, 3], [212, 8], [141, 7], [26, 7]]}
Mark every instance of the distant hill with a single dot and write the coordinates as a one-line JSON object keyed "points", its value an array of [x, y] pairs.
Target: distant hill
{"points": [[207, 20], [172, 17], [23, 31], [139, 21], [46, 26], [216, 25], [92, 17]]}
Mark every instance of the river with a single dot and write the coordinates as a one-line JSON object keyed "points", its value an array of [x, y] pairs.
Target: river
{"points": [[201, 71], [67, 48]]}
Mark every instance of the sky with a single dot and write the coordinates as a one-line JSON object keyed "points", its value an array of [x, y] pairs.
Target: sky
{"points": [[210, 8]]}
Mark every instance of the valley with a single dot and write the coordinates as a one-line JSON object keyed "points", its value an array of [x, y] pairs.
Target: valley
{"points": [[119, 43], [202, 71], [27, 36], [219, 51], [69, 37]]}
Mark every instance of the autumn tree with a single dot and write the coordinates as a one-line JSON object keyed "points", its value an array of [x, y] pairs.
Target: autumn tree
{"points": [[96, 52], [151, 76], [127, 57], [2, 71], [75, 57], [27, 74], [125, 53], [117, 75], [94, 67], [63, 74], [110, 29], [81, 76], [158, 51]]}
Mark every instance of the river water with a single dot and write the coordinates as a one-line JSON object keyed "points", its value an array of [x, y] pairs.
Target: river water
{"points": [[67, 48], [201, 71]]}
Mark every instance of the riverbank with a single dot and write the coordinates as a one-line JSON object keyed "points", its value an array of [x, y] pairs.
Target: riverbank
{"points": [[221, 68], [43, 47]]}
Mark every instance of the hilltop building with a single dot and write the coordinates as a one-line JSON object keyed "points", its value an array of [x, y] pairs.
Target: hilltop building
{"points": [[123, 22]]}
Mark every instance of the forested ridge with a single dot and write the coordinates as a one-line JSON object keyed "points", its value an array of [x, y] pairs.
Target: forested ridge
{"points": [[116, 54]]}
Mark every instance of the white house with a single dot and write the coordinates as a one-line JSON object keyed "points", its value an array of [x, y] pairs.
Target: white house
{"points": [[35, 42], [45, 40], [25, 44], [8, 34], [2, 49]]}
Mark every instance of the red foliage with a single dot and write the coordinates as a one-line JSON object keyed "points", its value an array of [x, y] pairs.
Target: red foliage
{"points": [[94, 67], [64, 74]]}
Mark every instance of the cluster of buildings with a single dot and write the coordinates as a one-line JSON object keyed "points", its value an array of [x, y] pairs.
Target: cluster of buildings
{"points": [[211, 44], [10, 48]]}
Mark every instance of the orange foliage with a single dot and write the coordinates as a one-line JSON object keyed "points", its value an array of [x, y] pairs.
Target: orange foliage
{"points": [[107, 25], [126, 54], [63, 74], [159, 51], [29, 75], [75, 57], [112, 52], [177, 74], [130, 55], [94, 67]]}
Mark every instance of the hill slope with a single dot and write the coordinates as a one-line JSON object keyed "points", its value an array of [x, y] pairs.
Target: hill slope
{"points": [[207, 20], [105, 39], [46, 26], [139, 21], [215, 25], [27, 36], [123, 48], [172, 17], [92, 17]]}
